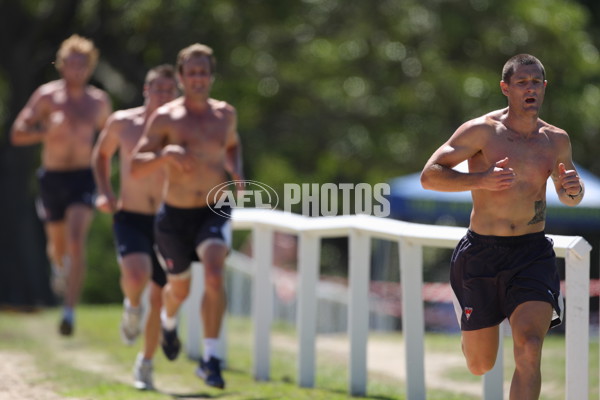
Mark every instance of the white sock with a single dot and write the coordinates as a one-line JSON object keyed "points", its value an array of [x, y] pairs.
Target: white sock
{"points": [[128, 305], [211, 347], [143, 359], [169, 323]]}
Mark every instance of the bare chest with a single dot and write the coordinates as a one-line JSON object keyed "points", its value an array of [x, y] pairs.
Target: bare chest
{"points": [[77, 118], [531, 158], [201, 135]]}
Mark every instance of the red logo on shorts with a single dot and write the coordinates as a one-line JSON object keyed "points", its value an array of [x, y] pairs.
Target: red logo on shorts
{"points": [[170, 263], [468, 312]]}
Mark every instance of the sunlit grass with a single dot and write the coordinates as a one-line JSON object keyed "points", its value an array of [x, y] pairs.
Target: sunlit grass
{"points": [[95, 364]]}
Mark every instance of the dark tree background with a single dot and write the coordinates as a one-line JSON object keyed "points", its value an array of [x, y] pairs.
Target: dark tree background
{"points": [[326, 90]]}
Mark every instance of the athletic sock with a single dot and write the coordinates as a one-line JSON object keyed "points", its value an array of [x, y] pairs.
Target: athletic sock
{"points": [[128, 306], [168, 323], [211, 346], [68, 314]]}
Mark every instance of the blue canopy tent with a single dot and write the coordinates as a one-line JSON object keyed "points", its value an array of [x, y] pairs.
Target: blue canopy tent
{"points": [[410, 202]]}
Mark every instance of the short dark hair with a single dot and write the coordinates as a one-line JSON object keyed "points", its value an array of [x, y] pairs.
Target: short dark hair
{"points": [[163, 70], [195, 50], [520, 59]]}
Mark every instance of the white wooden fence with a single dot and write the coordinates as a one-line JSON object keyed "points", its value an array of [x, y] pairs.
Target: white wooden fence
{"points": [[411, 238]]}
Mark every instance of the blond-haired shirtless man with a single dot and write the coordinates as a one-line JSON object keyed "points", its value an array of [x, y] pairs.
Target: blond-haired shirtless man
{"points": [[505, 265], [133, 216], [65, 115], [195, 137]]}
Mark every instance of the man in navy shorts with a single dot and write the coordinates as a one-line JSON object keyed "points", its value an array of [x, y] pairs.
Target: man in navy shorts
{"points": [[505, 266], [180, 231], [65, 115], [493, 275], [195, 137], [133, 217]]}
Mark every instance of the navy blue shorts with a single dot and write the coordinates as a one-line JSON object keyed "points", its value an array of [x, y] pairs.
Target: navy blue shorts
{"points": [[134, 233], [180, 231], [492, 275], [60, 189]]}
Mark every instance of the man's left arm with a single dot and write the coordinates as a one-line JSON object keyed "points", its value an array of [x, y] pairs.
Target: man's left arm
{"points": [[105, 111], [569, 186], [233, 150]]}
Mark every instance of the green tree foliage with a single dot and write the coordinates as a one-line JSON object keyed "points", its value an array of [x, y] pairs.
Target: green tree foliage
{"points": [[326, 90]]}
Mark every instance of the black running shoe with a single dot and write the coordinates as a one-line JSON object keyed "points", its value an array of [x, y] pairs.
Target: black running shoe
{"points": [[170, 343], [66, 327], [210, 371]]}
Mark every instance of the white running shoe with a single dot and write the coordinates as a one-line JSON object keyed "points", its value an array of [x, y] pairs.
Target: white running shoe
{"points": [[142, 373], [131, 324]]}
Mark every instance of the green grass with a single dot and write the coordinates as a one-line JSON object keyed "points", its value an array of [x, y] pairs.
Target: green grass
{"points": [[94, 364]]}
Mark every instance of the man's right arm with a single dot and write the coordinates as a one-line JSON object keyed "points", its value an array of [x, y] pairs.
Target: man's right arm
{"points": [[29, 126], [154, 150], [148, 156], [438, 173], [104, 149]]}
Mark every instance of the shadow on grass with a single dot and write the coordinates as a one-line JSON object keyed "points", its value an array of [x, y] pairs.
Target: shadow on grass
{"points": [[199, 395], [291, 381], [192, 396]]}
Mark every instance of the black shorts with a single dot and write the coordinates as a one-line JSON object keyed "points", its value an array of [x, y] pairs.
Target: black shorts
{"points": [[60, 189], [134, 233], [179, 233], [492, 275]]}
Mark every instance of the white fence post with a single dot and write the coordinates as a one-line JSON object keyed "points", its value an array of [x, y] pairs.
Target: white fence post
{"points": [[358, 309], [309, 252], [361, 229], [262, 304], [577, 271], [413, 322]]}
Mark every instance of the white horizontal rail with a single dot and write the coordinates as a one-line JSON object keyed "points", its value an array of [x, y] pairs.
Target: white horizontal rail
{"points": [[411, 238]]}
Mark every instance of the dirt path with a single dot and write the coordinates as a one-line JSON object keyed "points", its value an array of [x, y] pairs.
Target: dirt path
{"points": [[387, 358], [21, 380]]}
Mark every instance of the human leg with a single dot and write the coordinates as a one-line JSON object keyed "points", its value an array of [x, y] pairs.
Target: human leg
{"points": [[143, 367], [135, 274], [78, 219], [174, 293], [480, 348], [56, 248], [152, 327], [213, 253], [214, 300], [529, 324]]}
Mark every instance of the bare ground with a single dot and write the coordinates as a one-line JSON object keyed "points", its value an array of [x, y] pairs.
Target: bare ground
{"points": [[22, 380]]}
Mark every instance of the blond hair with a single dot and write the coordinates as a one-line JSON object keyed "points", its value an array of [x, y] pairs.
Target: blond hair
{"points": [[77, 44]]}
